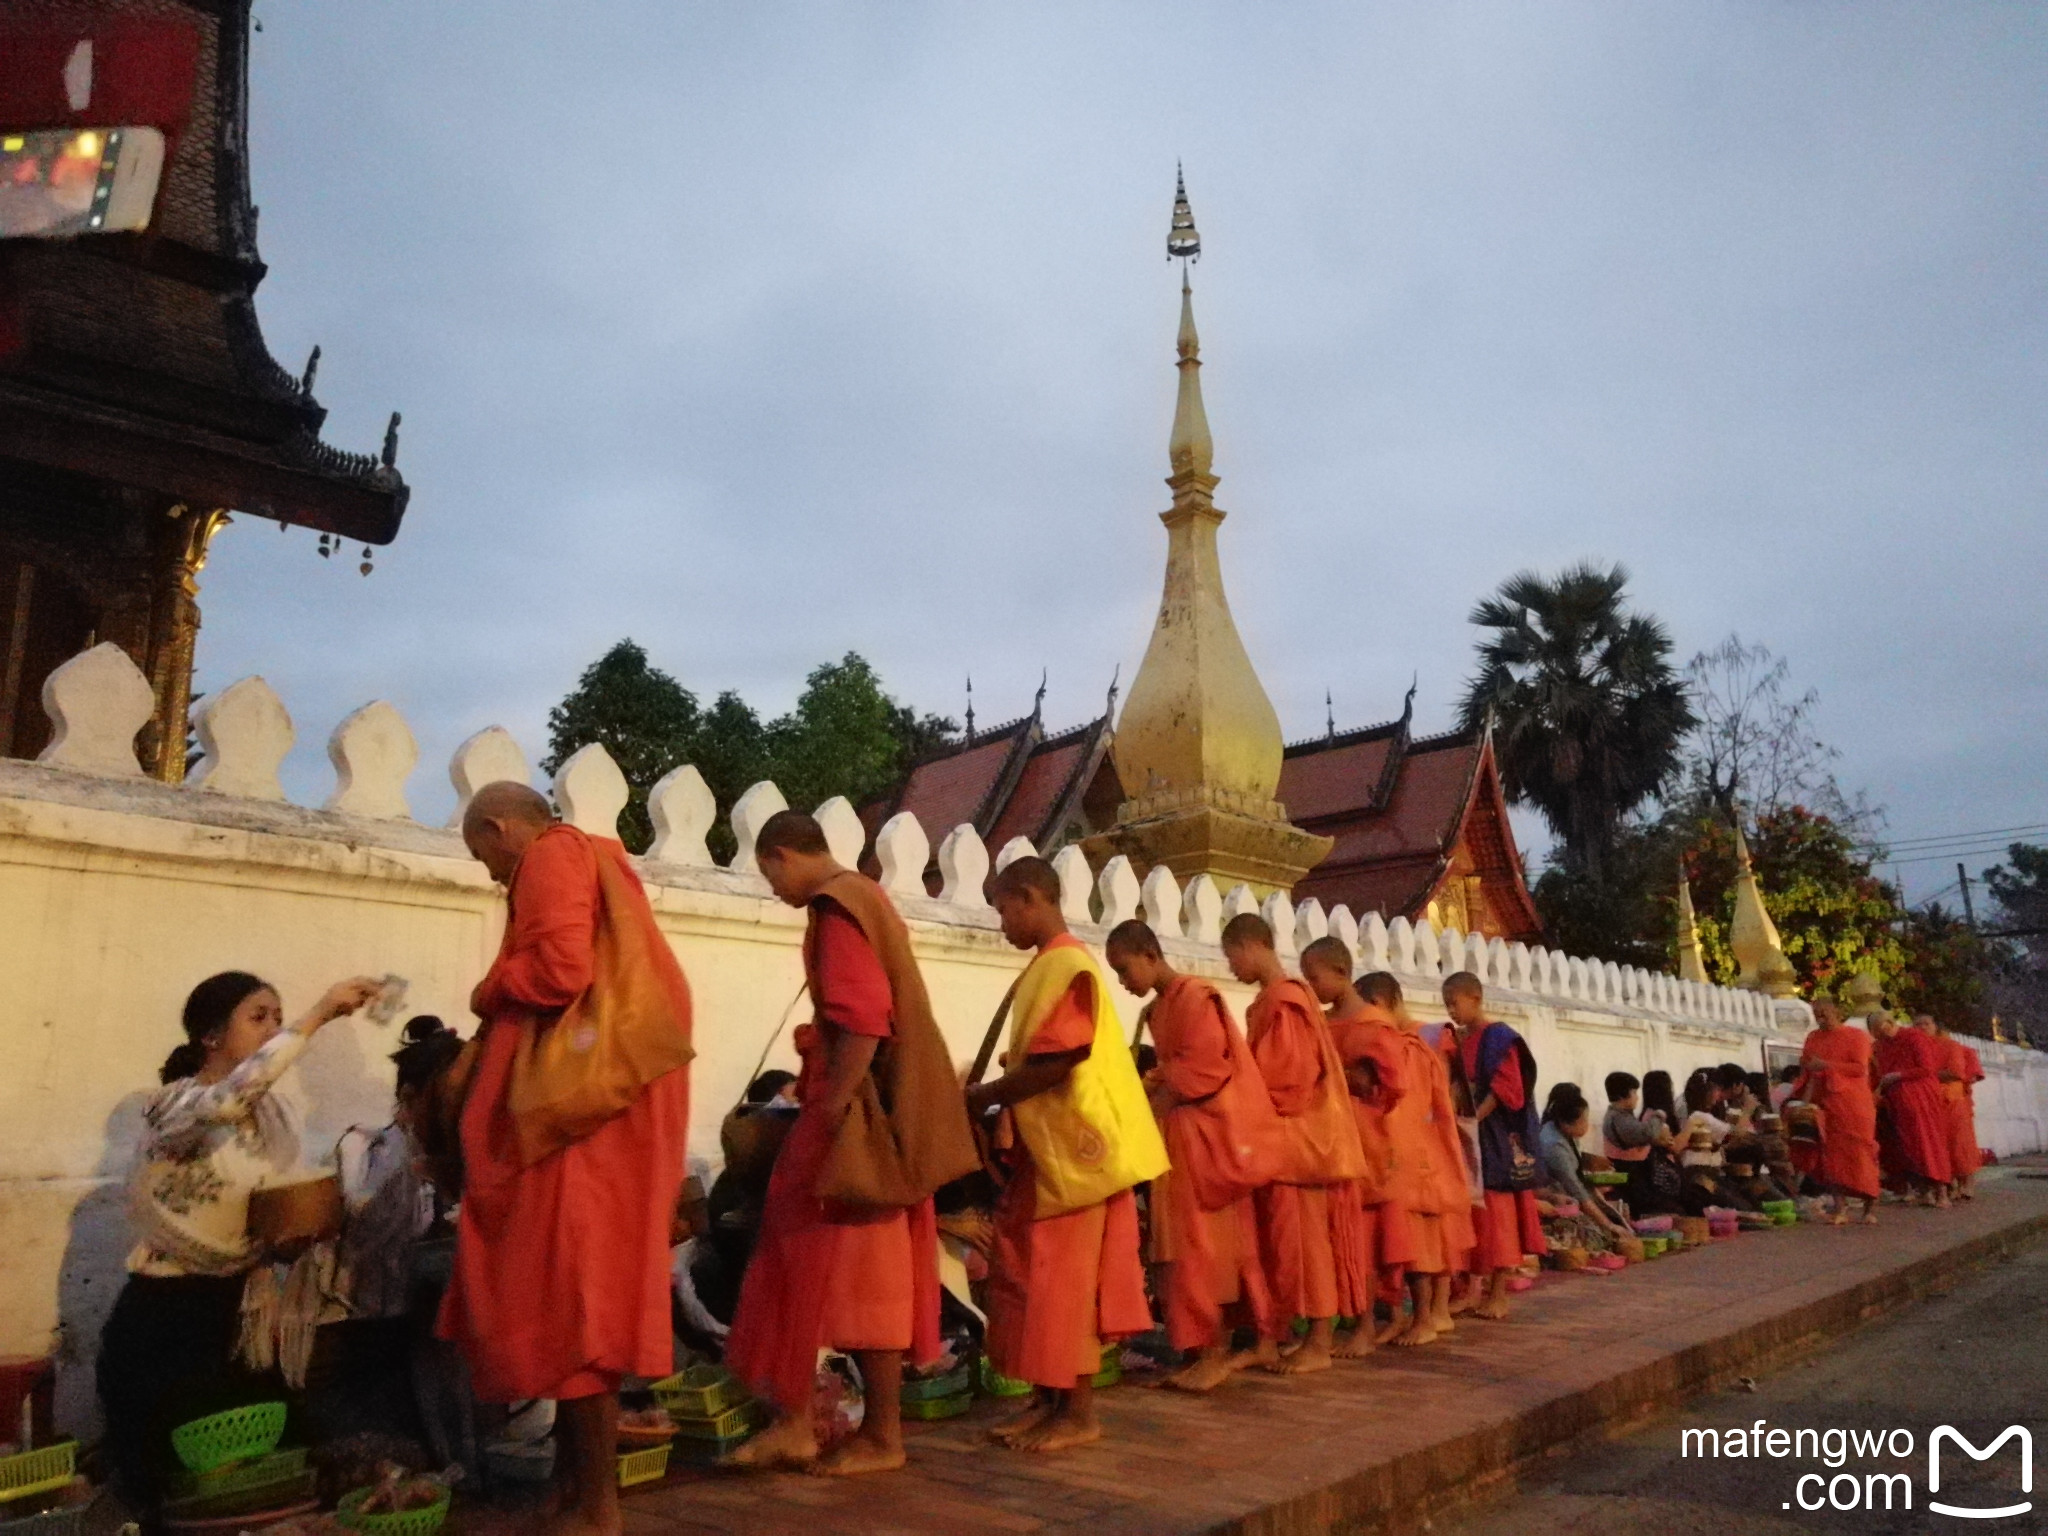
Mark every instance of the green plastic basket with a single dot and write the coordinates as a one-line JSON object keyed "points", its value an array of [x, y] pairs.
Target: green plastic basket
{"points": [[939, 1407], [240, 1434], [259, 1472], [648, 1466], [996, 1384], [951, 1384], [395, 1522], [700, 1392], [739, 1419], [34, 1472]]}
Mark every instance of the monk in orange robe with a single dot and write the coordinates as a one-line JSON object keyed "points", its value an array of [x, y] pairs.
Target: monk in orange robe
{"points": [[1961, 1070], [1425, 1219], [561, 1283], [1367, 1044], [1320, 1146], [1913, 1134], [1060, 1284], [863, 1278], [1502, 1075], [1221, 1134], [1834, 1077]]}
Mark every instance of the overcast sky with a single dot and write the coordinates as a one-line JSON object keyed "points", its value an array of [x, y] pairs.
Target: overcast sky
{"points": [[762, 333]]}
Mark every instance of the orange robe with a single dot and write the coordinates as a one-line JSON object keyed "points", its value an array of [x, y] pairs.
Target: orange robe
{"points": [[1964, 1155], [1203, 1224], [822, 1275], [1372, 1039], [1426, 1218], [1059, 1286], [1836, 1080], [1288, 1041], [1914, 1130], [561, 1283]]}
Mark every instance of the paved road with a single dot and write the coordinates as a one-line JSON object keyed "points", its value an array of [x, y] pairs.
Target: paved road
{"points": [[1975, 1358]]}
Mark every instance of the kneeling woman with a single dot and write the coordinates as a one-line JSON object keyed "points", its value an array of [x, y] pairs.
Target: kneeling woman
{"points": [[214, 1132]]}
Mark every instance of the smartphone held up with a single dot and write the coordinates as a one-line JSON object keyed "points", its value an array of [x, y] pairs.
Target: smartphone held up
{"points": [[58, 182]]}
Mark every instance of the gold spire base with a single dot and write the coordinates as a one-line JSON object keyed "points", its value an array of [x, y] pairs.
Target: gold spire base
{"points": [[1234, 839], [1774, 978]]}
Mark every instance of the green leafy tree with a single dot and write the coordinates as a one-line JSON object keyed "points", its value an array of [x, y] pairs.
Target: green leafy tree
{"points": [[1588, 711], [1946, 970], [846, 736], [643, 717], [839, 740], [1629, 912]]}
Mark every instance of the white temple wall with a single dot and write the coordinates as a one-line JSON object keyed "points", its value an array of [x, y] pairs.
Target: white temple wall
{"points": [[118, 893]]}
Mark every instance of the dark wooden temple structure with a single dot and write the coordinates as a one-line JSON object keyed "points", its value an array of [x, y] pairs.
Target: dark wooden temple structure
{"points": [[139, 406], [1420, 825]]}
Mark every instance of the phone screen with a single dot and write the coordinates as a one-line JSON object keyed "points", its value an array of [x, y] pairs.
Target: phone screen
{"points": [[76, 181]]}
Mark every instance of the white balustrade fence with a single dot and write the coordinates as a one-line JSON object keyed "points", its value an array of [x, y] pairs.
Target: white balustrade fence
{"points": [[99, 701]]}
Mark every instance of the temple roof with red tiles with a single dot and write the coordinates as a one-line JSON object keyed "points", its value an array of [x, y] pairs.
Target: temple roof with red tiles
{"points": [[1409, 815]]}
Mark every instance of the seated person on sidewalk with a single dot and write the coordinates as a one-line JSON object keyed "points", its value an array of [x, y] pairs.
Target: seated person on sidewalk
{"points": [[1567, 1117], [1640, 1148]]}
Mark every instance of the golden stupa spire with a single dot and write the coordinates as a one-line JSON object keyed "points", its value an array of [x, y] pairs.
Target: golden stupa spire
{"points": [[1753, 936], [1198, 747], [1190, 450], [1692, 965]]}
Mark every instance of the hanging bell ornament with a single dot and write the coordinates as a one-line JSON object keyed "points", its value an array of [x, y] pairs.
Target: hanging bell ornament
{"points": [[365, 566]]}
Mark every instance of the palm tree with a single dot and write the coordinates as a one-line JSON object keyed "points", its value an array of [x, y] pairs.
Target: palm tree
{"points": [[1587, 711]]}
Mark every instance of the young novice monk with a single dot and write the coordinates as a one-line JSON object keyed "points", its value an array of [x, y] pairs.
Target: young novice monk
{"points": [[1502, 1073], [1222, 1135], [1367, 1044], [1425, 1220], [1320, 1145], [1066, 1274], [860, 1278]]}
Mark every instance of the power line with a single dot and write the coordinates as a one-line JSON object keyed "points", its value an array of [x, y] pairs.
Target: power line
{"points": [[1963, 837], [1952, 853]]}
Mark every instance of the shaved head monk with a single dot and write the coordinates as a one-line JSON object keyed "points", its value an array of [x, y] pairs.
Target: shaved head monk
{"points": [[1913, 1138], [1834, 1077], [1502, 1073], [1221, 1133], [1425, 1225], [1066, 1274], [826, 1273], [1369, 1046], [574, 1121], [1961, 1069], [1319, 1146]]}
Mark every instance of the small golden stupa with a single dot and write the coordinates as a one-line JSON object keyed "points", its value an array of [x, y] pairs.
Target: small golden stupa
{"points": [[1754, 937], [1198, 747], [1692, 965]]}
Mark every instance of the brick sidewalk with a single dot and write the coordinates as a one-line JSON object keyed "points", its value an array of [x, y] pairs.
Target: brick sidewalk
{"points": [[1402, 1431]]}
